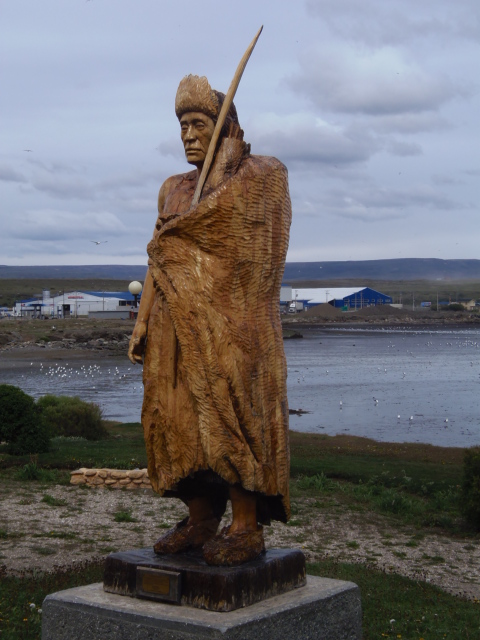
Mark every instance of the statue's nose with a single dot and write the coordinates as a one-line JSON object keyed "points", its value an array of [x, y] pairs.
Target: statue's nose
{"points": [[189, 134]]}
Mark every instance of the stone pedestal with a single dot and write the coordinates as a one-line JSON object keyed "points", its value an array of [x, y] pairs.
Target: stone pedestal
{"points": [[186, 578], [324, 609]]}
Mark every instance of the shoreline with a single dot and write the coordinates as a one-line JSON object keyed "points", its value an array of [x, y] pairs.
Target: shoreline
{"points": [[113, 337]]}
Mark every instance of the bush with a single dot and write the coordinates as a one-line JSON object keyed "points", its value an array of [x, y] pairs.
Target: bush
{"points": [[72, 417], [455, 306], [21, 424], [470, 501]]}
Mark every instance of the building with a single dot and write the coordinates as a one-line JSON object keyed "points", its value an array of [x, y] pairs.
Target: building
{"points": [[68, 304], [345, 298]]}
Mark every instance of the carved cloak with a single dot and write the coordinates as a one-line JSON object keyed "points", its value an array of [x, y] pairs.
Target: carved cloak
{"points": [[215, 370]]}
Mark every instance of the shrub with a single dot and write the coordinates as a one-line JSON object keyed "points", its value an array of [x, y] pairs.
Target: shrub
{"points": [[31, 471], [455, 306], [72, 417], [318, 482], [21, 424], [470, 501]]}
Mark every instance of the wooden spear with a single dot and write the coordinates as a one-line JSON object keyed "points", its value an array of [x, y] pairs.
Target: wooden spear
{"points": [[227, 103]]}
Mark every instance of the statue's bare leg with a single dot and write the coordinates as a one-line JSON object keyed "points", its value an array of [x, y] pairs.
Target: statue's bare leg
{"points": [[243, 539], [192, 532], [244, 510]]}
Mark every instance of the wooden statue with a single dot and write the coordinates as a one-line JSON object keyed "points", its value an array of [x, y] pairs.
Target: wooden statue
{"points": [[215, 413]]}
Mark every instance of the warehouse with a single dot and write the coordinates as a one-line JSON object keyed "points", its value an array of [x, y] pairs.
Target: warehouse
{"points": [[67, 304], [348, 299]]}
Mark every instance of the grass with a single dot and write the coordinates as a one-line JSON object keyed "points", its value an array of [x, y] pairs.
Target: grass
{"points": [[417, 609], [21, 597], [415, 484], [123, 449], [124, 515], [52, 501]]}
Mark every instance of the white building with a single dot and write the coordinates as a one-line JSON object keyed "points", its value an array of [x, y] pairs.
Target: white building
{"points": [[70, 304]]}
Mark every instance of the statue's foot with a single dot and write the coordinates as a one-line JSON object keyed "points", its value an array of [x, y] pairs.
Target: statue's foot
{"points": [[236, 548], [186, 536]]}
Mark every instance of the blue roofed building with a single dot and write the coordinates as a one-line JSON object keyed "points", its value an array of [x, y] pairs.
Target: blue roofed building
{"points": [[345, 298]]}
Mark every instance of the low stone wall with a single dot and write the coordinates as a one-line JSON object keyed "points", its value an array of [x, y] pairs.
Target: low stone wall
{"points": [[111, 478]]}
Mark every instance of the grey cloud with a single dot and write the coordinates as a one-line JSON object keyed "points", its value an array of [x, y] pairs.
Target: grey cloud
{"points": [[54, 167], [443, 180], [172, 147], [370, 203], [409, 123], [145, 205], [7, 174], [369, 88], [318, 145], [52, 225], [64, 188], [399, 148], [380, 23], [132, 180]]}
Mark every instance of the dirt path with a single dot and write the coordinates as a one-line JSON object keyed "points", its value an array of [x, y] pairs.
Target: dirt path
{"points": [[73, 524]]}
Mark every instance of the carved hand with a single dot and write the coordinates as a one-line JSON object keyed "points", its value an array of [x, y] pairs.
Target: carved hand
{"points": [[137, 343]]}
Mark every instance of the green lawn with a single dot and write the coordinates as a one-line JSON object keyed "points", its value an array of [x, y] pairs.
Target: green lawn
{"points": [[410, 483]]}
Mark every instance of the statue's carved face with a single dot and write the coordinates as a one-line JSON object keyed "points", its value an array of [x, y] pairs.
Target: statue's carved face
{"points": [[196, 132]]}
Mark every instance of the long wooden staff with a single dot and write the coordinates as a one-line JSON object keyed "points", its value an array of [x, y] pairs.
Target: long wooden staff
{"points": [[227, 103]]}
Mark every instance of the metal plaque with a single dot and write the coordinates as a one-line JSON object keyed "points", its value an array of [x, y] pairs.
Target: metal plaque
{"points": [[157, 584]]}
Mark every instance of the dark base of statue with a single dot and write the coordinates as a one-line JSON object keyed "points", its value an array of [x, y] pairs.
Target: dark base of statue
{"points": [[186, 579]]}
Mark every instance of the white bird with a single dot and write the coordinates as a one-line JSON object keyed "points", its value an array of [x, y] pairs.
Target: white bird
{"points": [[97, 242]]}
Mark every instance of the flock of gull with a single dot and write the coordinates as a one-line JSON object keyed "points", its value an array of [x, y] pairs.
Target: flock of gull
{"points": [[425, 389], [406, 384]]}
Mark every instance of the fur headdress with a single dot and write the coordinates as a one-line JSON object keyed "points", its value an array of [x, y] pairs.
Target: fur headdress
{"points": [[195, 94]]}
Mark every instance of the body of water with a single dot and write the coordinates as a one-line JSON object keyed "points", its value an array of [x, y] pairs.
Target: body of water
{"points": [[389, 385]]}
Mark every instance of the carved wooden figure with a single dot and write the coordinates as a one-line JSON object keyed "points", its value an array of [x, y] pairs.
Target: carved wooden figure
{"points": [[215, 413]]}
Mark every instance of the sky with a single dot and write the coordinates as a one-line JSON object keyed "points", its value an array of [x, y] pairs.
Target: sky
{"points": [[373, 106]]}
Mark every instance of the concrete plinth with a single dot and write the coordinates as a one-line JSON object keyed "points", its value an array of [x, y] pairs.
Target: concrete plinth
{"points": [[322, 610]]}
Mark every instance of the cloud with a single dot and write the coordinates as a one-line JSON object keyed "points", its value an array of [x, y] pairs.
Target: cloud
{"points": [[64, 188], [396, 22], [378, 83], [409, 123], [370, 203], [7, 174], [132, 180], [443, 180], [303, 139], [172, 147], [53, 225], [402, 149]]}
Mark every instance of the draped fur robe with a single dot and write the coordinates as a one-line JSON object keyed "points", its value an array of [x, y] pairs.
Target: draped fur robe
{"points": [[215, 370]]}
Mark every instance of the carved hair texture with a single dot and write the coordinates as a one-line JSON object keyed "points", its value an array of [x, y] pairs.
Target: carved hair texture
{"points": [[194, 93]]}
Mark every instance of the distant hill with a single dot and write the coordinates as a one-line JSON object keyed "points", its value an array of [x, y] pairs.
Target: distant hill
{"points": [[75, 272], [397, 269]]}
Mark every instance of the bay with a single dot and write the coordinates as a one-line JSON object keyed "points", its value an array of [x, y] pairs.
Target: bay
{"points": [[394, 385]]}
